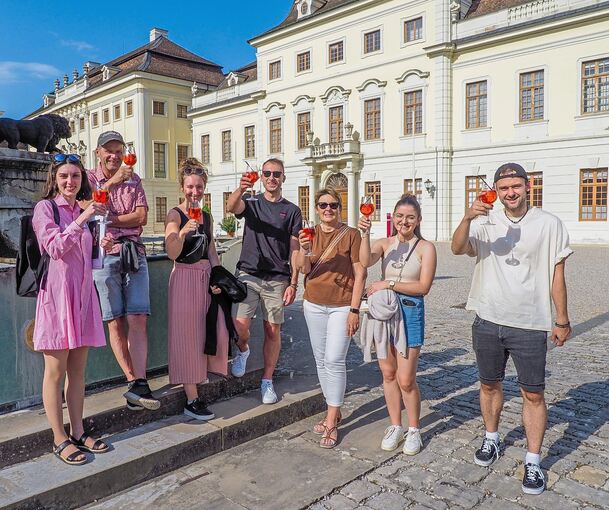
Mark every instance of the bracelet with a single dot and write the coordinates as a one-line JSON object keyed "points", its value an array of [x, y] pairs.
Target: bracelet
{"points": [[294, 286], [563, 326], [354, 310]]}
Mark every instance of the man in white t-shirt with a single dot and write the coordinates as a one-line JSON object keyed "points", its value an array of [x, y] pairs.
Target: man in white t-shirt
{"points": [[520, 270]]}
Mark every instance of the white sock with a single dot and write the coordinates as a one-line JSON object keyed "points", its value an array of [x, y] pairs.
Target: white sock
{"points": [[245, 353], [270, 381], [190, 401], [532, 458], [493, 436], [413, 429]]}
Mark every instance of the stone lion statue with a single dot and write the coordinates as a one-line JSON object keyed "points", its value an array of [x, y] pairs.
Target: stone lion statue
{"points": [[43, 132]]}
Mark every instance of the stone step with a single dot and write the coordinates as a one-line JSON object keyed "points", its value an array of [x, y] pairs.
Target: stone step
{"points": [[26, 434], [155, 448]]}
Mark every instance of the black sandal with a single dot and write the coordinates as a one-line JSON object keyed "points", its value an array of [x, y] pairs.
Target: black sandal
{"points": [[70, 459], [98, 447]]}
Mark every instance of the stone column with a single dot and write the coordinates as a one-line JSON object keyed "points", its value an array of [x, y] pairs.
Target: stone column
{"points": [[352, 194]]}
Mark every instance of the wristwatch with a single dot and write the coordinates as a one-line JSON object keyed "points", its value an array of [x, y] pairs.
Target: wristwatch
{"points": [[391, 284]]}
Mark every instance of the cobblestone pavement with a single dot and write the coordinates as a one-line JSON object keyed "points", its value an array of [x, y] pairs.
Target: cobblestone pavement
{"points": [[576, 446]]}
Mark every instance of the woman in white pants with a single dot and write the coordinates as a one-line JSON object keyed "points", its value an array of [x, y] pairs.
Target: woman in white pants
{"points": [[334, 284]]}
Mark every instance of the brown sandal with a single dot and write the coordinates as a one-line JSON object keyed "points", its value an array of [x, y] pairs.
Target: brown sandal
{"points": [[72, 459], [320, 427], [327, 441], [98, 446]]}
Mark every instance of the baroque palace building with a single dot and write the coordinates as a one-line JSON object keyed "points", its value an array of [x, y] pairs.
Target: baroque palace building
{"points": [[145, 95], [381, 97]]}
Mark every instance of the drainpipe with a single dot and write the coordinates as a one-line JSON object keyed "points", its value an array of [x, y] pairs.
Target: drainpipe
{"points": [[436, 195]]}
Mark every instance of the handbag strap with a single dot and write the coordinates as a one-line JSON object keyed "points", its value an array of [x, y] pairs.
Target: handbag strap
{"points": [[323, 257], [408, 258]]}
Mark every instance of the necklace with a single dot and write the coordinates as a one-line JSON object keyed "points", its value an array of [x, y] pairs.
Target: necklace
{"points": [[519, 219]]}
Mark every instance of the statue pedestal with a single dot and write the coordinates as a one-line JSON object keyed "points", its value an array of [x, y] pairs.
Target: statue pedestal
{"points": [[22, 178]]}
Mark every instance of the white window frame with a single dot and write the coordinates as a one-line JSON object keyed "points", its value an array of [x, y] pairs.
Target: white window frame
{"points": [[464, 85], [412, 17], [299, 52], [327, 50], [530, 69], [166, 160], [363, 41], [159, 101], [281, 70]]}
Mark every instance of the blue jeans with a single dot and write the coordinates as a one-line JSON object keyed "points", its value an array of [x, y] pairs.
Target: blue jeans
{"points": [[413, 313], [122, 294]]}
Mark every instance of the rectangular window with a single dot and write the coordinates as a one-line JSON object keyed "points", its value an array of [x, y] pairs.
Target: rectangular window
{"points": [[161, 209], [275, 70], [182, 111], [413, 29], [372, 119], [250, 142], [303, 201], [413, 111], [474, 185], [531, 96], [128, 108], [207, 201], [158, 107], [303, 61], [417, 191], [595, 86], [304, 126], [372, 41], [536, 191], [475, 105], [160, 161], [226, 146], [336, 124], [106, 115], [81, 123], [373, 189], [335, 52], [225, 197], [95, 119], [117, 112], [205, 149], [183, 153], [593, 194], [73, 127], [275, 135]]}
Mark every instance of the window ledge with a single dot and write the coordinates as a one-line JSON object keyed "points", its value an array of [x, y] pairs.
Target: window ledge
{"points": [[416, 136], [477, 130], [539, 122]]}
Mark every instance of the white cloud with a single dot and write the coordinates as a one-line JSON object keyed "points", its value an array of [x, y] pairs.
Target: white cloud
{"points": [[77, 45], [24, 71]]}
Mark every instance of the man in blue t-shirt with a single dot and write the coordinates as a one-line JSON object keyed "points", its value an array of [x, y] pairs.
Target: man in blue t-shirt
{"points": [[266, 266]]}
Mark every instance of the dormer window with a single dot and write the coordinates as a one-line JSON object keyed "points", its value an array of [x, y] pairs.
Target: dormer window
{"points": [[233, 80], [106, 74], [305, 8]]}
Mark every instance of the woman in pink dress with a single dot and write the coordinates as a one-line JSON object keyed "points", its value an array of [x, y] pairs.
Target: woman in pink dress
{"points": [[190, 243], [68, 318]]}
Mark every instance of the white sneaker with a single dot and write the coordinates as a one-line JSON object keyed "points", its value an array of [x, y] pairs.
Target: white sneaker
{"points": [[413, 442], [239, 363], [394, 435], [268, 393]]}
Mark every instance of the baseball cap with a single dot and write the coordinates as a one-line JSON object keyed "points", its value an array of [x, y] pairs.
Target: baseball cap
{"points": [[109, 136], [510, 170]]}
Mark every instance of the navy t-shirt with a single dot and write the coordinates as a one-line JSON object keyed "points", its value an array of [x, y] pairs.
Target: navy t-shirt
{"points": [[269, 227]]}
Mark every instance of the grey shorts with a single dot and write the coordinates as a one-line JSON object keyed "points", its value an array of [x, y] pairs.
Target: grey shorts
{"points": [[494, 344], [122, 294], [266, 293]]}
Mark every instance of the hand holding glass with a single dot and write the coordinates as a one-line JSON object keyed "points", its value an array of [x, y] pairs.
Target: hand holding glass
{"points": [[252, 175], [308, 229], [101, 195], [130, 159], [488, 197], [195, 213]]}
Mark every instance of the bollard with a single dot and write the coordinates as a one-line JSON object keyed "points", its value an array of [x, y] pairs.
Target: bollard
{"points": [[388, 224]]}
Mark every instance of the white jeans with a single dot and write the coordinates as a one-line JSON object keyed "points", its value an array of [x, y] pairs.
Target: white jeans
{"points": [[328, 332]]}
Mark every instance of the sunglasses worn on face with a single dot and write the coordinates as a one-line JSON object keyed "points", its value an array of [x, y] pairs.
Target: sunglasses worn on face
{"points": [[332, 205], [277, 174], [70, 158], [194, 170]]}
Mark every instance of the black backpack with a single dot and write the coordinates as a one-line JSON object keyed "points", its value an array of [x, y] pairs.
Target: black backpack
{"points": [[31, 266]]}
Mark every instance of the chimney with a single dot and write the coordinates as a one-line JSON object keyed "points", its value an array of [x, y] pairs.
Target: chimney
{"points": [[155, 33]]}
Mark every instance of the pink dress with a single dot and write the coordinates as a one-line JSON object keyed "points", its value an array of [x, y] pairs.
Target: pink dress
{"points": [[67, 310]]}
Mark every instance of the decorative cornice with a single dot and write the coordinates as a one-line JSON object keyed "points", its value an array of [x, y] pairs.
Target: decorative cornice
{"points": [[380, 84], [335, 88], [416, 72], [274, 104], [308, 99]]}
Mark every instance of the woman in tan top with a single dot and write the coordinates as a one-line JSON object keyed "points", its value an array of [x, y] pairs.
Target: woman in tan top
{"points": [[408, 268], [334, 284]]}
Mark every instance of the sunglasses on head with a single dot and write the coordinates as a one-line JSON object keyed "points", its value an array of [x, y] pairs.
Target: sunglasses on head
{"points": [[277, 173], [332, 205], [70, 158], [194, 170]]}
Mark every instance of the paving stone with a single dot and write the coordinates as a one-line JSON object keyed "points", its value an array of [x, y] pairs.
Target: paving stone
{"points": [[340, 502], [417, 479], [386, 482], [590, 476], [360, 490], [502, 487], [427, 501], [464, 497], [493, 503], [582, 493], [387, 500], [549, 500]]}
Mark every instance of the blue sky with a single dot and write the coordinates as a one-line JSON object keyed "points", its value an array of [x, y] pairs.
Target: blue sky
{"points": [[41, 41]]}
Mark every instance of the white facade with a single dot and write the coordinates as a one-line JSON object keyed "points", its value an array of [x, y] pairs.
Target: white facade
{"points": [[380, 67]]}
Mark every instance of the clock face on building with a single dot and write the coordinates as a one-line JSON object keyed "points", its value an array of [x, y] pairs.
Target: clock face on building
{"points": [[304, 8]]}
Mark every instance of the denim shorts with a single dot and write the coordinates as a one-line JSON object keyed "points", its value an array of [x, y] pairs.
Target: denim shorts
{"points": [[413, 313], [122, 294], [494, 344]]}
